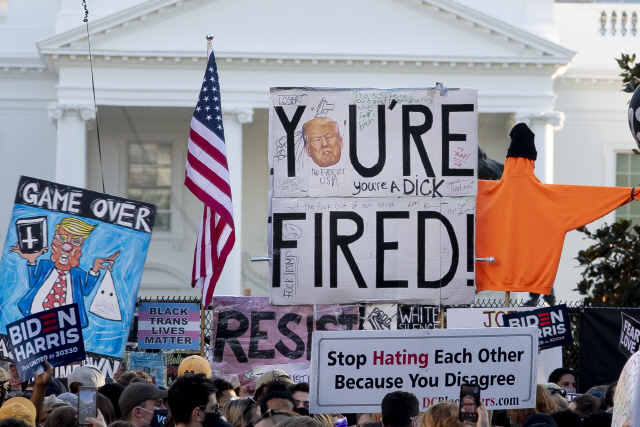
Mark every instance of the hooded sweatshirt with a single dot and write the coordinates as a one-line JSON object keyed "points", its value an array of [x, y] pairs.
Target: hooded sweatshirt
{"points": [[522, 223]]}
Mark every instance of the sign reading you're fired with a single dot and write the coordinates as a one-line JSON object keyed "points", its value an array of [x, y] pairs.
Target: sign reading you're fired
{"points": [[373, 195]]}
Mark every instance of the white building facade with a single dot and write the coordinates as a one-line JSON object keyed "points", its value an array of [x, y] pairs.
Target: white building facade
{"points": [[548, 64]]}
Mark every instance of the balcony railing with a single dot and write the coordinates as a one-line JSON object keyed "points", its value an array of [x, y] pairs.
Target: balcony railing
{"points": [[620, 23]]}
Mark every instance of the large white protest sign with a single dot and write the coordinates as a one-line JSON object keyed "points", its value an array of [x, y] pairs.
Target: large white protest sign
{"points": [[373, 195], [626, 404], [353, 370], [373, 142], [412, 250]]}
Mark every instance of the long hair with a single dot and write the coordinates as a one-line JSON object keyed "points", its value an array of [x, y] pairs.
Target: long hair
{"points": [[240, 412], [442, 414], [544, 405], [65, 416]]}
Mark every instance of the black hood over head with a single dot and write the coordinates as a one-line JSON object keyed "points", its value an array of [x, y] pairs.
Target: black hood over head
{"points": [[522, 142]]}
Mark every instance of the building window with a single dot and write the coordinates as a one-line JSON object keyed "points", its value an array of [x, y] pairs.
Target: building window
{"points": [[628, 175], [149, 178]]}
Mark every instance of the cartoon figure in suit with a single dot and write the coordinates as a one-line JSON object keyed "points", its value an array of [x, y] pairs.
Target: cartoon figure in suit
{"points": [[59, 281]]}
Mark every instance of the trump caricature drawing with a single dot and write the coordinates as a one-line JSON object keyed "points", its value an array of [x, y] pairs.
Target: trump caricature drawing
{"points": [[59, 281]]}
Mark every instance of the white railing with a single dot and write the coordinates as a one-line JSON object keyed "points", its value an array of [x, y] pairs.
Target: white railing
{"points": [[619, 23]]}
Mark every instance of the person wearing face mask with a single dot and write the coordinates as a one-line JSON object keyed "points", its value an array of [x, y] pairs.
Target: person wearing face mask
{"points": [[141, 404], [192, 401]]}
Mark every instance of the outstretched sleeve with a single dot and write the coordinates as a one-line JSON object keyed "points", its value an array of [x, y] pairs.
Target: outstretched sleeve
{"points": [[583, 204]]}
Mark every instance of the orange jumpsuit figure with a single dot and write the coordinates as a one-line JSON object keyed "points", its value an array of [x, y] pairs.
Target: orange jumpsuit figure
{"points": [[522, 222]]}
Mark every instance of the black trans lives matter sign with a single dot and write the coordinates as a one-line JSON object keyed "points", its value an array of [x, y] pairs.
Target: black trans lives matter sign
{"points": [[373, 195], [54, 335]]}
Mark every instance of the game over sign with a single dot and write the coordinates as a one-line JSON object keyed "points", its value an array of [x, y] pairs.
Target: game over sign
{"points": [[373, 195]]}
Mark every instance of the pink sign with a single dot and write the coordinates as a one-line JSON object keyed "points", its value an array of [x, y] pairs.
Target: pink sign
{"points": [[248, 332]]}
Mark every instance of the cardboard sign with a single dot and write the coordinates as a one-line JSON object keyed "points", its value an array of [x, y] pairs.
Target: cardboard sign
{"points": [[54, 335], [626, 404], [629, 335], [480, 317], [169, 326], [353, 370], [457, 318], [373, 142], [380, 317], [107, 365], [248, 331], [410, 250], [299, 372], [151, 363], [172, 361], [417, 316], [554, 328], [5, 349], [373, 195], [399, 316], [93, 248]]}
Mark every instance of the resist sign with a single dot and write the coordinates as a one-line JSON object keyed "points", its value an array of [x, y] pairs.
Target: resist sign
{"points": [[354, 370]]}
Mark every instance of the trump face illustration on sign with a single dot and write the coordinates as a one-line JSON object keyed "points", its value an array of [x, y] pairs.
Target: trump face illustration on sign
{"points": [[322, 141]]}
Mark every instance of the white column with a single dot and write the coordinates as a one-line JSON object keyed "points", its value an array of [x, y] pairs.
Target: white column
{"points": [[71, 145], [543, 125], [230, 282]]}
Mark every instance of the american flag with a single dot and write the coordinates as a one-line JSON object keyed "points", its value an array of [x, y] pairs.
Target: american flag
{"points": [[207, 176]]}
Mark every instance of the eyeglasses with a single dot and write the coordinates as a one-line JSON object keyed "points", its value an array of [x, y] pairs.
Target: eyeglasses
{"points": [[75, 241], [562, 392]]}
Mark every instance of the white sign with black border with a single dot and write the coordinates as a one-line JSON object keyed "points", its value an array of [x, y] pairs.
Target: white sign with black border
{"points": [[352, 371]]}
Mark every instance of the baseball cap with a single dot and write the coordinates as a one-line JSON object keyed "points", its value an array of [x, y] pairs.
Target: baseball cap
{"points": [[136, 393], [21, 408], [272, 376], [88, 376], [194, 365], [70, 398]]}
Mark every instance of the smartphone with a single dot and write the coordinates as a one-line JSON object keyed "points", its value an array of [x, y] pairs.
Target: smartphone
{"points": [[469, 402], [86, 404]]}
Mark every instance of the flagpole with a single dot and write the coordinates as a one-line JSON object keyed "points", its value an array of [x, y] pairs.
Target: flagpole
{"points": [[209, 39], [203, 309]]}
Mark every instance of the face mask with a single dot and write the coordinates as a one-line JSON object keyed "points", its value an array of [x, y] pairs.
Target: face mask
{"points": [[342, 422], [302, 411], [158, 419], [211, 419]]}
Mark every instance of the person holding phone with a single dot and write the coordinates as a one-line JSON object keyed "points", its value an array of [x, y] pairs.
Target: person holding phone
{"points": [[87, 397], [472, 411]]}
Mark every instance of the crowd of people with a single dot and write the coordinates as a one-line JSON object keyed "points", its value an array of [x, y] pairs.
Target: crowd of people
{"points": [[195, 400]]}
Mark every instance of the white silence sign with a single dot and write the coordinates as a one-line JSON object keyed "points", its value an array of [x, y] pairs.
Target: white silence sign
{"points": [[373, 195], [352, 371]]}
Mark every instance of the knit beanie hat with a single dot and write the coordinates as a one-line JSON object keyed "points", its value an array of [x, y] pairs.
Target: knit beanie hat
{"points": [[522, 142]]}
